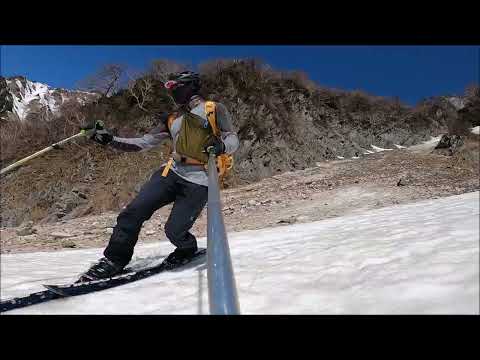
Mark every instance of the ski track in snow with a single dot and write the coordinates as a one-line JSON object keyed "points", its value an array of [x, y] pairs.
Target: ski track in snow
{"points": [[419, 258]]}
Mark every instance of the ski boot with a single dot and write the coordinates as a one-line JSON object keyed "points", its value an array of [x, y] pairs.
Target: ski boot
{"points": [[103, 269], [179, 257]]}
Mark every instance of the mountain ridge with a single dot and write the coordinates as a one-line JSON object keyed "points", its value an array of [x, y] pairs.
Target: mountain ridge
{"points": [[21, 99]]}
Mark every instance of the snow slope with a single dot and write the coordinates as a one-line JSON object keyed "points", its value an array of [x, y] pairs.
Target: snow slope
{"points": [[26, 94], [426, 145], [419, 258]]}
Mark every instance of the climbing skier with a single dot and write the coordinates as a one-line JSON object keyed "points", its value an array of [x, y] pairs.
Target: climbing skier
{"points": [[183, 180]]}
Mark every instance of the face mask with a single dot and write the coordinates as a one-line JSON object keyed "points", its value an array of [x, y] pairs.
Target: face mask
{"points": [[182, 94]]}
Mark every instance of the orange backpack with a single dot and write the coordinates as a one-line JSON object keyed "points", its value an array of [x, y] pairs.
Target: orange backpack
{"points": [[224, 161]]}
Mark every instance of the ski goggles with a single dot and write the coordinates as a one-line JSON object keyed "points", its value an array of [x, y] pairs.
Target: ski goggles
{"points": [[170, 84]]}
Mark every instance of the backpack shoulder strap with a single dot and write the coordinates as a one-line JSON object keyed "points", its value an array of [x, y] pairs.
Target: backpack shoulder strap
{"points": [[170, 120], [211, 116]]}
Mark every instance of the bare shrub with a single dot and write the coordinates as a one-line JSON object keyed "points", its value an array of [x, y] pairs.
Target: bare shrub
{"points": [[160, 69], [470, 114], [105, 81], [356, 101], [141, 89], [22, 138]]}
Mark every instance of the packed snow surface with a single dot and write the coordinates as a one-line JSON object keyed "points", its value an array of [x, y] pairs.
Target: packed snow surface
{"points": [[419, 258]]}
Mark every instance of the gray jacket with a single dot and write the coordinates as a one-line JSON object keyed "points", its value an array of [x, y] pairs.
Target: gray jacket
{"points": [[193, 173]]}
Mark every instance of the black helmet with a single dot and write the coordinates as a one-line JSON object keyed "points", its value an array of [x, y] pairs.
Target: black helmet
{"points": [[182, 78], [183, 86]]}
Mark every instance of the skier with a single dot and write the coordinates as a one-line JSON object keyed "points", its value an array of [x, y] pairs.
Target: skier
{"points": [[183, 180]]}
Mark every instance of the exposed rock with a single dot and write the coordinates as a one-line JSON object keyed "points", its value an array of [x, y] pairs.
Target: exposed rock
{"points": [[449, 144], [24, 232], [68, 244], [61, 235], [406, 179], [79, 193], [68, 202], [26, 229], [290, 220]]}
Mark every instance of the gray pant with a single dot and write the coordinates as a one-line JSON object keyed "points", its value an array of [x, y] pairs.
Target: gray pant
{"points": [[189, 199]]}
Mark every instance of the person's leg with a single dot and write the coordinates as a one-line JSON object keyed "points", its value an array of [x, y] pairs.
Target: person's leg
{"points": [[156, 193], [189, 203]]}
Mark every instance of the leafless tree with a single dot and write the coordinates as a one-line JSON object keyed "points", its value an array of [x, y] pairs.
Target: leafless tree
{"points": [[141, 89], [161, 68], [71, 110], [106, 80], [472, 90]]}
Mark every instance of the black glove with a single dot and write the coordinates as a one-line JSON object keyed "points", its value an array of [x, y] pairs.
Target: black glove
{"points": [[98, 133], [216, 145]]}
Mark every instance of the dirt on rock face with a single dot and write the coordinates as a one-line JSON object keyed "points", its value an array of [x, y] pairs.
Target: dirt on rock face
{"points": [[284, 123], [75, 181], [332, 188]]}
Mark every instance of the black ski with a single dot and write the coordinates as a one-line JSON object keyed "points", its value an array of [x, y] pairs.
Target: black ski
{"points": [[60, 291]]}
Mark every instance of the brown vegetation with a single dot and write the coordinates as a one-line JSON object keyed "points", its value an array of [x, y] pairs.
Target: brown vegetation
{"points": [[284, 121]]}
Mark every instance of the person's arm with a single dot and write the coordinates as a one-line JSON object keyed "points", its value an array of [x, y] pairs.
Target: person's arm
{"points": [[225, 125], [154, 138]]}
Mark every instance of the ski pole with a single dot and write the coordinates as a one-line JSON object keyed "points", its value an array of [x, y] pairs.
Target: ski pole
{"points": [[38, 153], [222, 290]]}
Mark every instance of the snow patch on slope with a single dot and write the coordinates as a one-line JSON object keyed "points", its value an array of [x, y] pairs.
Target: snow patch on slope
{"points": [[28, 95], [426, 145], [379, 149], [31, 92], [19, 108], [476, 130], [419, 258]]}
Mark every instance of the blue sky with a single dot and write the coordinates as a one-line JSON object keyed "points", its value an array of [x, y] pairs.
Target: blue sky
{"points": [[409, 72]]}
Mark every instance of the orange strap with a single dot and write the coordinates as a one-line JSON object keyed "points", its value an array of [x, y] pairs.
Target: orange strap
{"points": [[210, 111], [167, 168]]}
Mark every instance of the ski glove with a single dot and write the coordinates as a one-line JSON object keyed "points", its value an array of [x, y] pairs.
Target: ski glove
{"points": [[98, 133], [217, 145]]}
